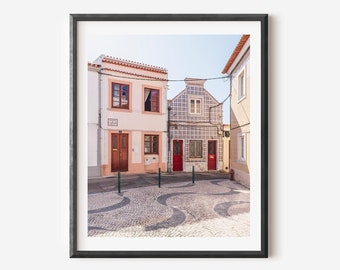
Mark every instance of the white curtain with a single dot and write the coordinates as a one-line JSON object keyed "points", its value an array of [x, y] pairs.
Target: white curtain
{"points": [[146, 93]]}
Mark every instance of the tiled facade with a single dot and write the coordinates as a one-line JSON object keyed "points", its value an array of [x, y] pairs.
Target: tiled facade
{"points": [[204, 125]]}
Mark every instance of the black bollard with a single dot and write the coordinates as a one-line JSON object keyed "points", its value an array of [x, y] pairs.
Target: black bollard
{"points": [[159, 177], [118, 181], [193, 174]]}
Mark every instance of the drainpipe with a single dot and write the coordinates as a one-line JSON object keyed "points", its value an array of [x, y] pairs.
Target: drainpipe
{"points": [[219, 127], [219, 104], [169, 141], [99, 129]]}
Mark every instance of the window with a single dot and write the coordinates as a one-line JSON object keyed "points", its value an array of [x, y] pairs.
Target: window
{"points": [[177, 148], [242, 147], [241, 86], [195, 149], [151, 100], [120, 96], [195, 106], [151, 144], [115, 143]]}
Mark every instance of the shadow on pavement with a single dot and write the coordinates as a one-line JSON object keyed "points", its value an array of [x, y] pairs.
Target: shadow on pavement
{"points": [[129, 181]]}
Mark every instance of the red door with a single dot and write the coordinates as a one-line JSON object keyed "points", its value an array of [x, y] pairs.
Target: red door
{"points": [[119, 156], [177, 156], [211, 155]]}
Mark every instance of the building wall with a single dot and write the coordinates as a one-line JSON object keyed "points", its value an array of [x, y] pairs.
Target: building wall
{"points": [[180, 107], [240, 123], [135, 118], [133, 121], [240, 109], [204, 133], [138, 162], [93, 127], [205, 126]]}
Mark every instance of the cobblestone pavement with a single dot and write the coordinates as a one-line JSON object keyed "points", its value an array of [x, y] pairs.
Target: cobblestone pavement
{"points": [[205, 208]]}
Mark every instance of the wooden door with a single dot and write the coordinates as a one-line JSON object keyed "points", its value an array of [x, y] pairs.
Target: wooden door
{"points": [[119, 156], [211, 155], [177, 155]]}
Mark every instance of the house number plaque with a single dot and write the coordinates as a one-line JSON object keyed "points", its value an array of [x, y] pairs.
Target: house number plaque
{"points": [[112, 122]]}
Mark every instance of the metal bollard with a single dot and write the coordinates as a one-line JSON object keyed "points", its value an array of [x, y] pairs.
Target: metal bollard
{"points": [[159, 177], [193, 174], [118, 181]]}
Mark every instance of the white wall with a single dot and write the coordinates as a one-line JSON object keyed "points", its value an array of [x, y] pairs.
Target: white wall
{"points": [[304, 183], [92, 118], [140, 120], [92, 96], [136, 146], [92, 145]]}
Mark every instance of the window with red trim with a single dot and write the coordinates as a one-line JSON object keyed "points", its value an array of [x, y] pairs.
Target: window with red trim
{"points": [[151, 100], [120, 96], [151, 144]]}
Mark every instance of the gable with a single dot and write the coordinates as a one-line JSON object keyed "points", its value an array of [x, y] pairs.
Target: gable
{"points": [[180, 105]]}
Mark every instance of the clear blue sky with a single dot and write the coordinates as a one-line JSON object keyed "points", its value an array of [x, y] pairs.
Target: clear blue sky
{"points": [[197, 56]]}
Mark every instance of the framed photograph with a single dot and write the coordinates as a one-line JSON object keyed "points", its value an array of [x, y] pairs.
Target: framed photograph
{"points": [[169, 136]]}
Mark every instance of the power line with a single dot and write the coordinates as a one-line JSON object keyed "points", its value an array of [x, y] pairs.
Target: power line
{"points": [[166, 80], [232, 128]]}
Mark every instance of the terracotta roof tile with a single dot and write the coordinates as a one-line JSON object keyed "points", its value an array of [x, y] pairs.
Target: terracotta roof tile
{"points": [[235, 53], [135, 74], [93, 65], [132, 64]]}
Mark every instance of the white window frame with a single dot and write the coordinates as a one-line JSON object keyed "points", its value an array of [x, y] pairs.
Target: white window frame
{"points": [[242, 81], [195, 150], [195, 99], [242, 147]]}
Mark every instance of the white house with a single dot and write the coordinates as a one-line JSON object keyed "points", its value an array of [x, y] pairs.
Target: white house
{"points": [[238, 68], [127, 117]]}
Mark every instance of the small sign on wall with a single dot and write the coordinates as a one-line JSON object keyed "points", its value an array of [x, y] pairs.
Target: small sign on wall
{"points": [[112, 122]]}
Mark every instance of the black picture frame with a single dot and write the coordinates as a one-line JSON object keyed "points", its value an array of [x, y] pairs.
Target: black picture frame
{"points": [[75, 252]]}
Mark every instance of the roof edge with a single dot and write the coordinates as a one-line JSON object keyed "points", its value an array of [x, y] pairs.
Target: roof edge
{"points": [[235, 53]]}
